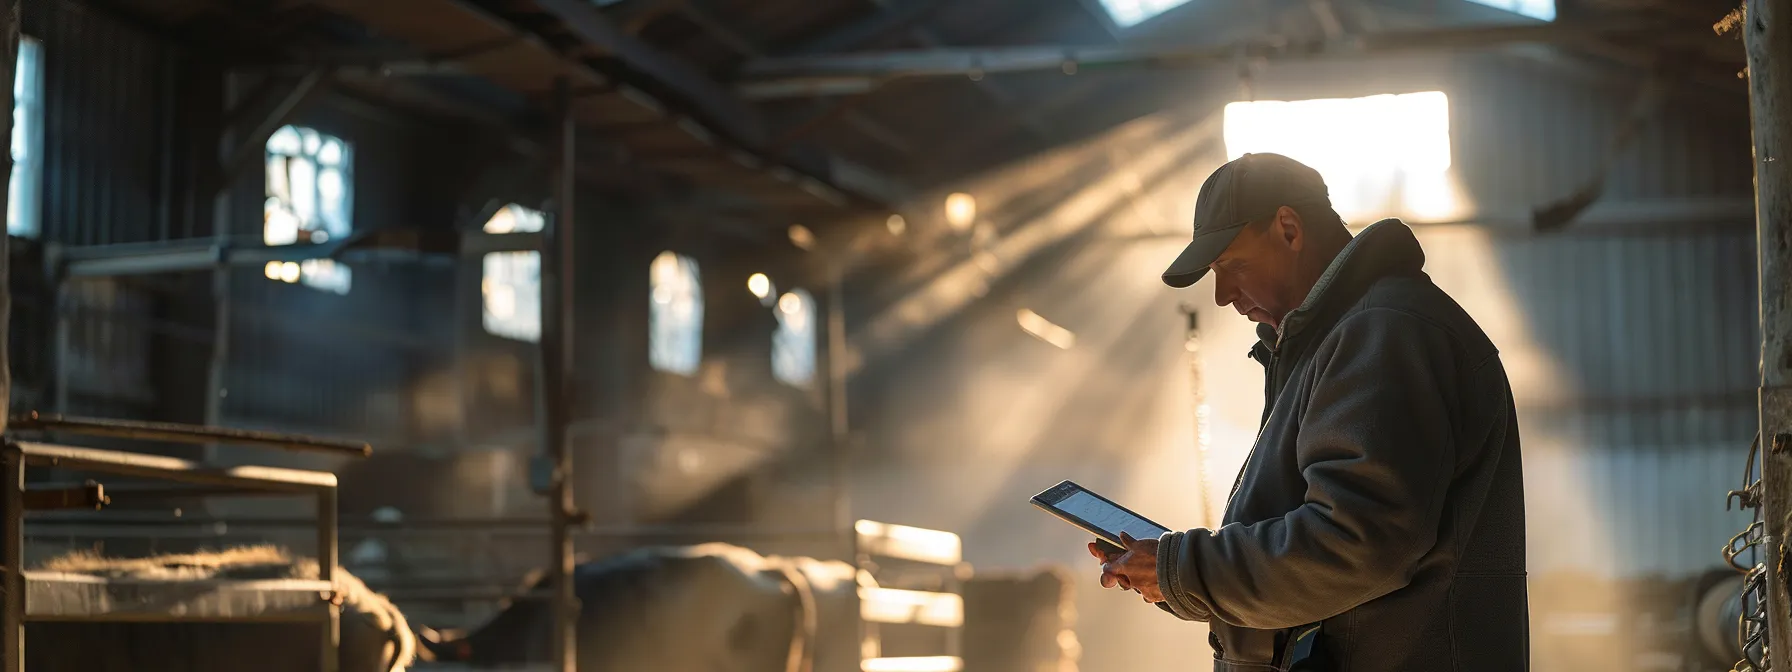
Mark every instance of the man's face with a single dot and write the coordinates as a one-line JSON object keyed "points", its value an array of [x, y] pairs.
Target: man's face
{"points": [[1258, 274]]}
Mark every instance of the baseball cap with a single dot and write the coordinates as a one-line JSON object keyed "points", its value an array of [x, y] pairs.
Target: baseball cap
{"points": [[1247, 189]]}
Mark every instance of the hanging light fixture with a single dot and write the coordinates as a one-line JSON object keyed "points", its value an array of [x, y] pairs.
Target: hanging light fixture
{"points": [[759, 285], [961, 211]]}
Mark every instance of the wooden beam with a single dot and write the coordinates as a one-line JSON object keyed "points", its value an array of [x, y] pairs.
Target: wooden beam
{"points": [[253, 145], [883, 22], [719, 107], [1767, 37], [962, 62]]}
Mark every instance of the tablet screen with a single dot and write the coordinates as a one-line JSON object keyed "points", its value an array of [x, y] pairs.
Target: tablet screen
{"points": [[1109, 517]]}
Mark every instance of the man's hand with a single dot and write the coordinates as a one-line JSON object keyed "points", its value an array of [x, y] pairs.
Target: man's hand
{"points": [[1134, 569]]}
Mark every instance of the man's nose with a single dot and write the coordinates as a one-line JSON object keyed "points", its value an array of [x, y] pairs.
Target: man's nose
{"points": [[1223, 294]]}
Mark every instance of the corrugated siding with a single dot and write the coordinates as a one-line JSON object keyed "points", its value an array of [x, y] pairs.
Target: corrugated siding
{"points": [[105, 104], [1525, 136], [104, 101], [312, 360], [1632, 363]]}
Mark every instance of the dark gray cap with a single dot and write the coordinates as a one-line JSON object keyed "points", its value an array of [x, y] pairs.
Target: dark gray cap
{"points": [[1247, 189]]}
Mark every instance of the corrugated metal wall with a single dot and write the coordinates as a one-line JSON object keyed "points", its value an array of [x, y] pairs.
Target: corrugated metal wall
{"points": [[106, 108], [106, 104], [315, 361], [1632, 363]]}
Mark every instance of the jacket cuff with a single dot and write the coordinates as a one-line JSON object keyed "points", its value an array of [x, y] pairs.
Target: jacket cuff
{"points": [[1169, 579]]}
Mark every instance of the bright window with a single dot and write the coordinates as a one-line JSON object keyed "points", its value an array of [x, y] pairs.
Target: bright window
{"points": [[512, 281], [1386, 155], [23, 197], [1542, 10], [310, 197], [675, 318], [1127, 13], [793, 344]]}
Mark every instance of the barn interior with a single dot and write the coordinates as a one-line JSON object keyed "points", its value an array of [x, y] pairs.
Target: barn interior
{"points": [[841, 279]]}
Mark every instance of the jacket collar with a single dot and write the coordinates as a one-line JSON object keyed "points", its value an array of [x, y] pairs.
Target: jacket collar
{"points": [[1387, 247]]}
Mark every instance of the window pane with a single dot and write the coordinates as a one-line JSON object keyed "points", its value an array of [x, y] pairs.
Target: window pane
{"points": [[793, 344], [310, 198], [1542, 10], [1132, 12], [284, 141], [675, 317], [26, 144], [511, 286]]}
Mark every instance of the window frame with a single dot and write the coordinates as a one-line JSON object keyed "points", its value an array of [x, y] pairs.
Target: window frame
{"points": [[512, 263], [322, 274], [691, 286], [811, 347]]}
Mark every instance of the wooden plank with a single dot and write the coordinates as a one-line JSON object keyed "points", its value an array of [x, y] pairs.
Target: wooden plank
{"points": [[436, 27]]}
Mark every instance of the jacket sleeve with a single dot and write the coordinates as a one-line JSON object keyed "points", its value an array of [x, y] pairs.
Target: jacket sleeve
{"points": [[1375, 448]]}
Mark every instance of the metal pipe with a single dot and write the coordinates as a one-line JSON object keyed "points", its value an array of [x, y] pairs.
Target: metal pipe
{"points": [[219, 189], [1767, 37], [555, 354], [1198, 389], [838, 429], [330, 646], [184, 433], [171, 468], [160, 523]]}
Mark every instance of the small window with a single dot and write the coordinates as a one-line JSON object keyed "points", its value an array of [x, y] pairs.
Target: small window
{"points": [[1541, 10], [1386, 155], [23, 197], [793, 345], [512, 281], [675, 318], [1128, 13], [310, 198]]}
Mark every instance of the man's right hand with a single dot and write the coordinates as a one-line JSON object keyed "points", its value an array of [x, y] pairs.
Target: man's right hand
{"points": [[1105, 553]]}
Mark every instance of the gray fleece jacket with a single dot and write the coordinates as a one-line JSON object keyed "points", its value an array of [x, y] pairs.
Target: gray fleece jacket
{"points": [[1382, 506]]}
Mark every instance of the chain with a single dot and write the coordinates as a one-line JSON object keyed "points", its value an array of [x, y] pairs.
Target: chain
{"points": [[1753, 624]]}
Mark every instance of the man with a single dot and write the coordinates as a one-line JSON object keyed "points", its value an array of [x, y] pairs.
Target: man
{"points": [[1378, 523]]}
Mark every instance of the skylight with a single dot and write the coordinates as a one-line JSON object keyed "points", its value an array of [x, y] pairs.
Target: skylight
{"points": [[1386, 155], [1542, 10], [1128, 13]]}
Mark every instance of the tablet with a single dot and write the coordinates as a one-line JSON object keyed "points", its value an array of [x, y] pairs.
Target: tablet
{"points": [[1095, 514]]}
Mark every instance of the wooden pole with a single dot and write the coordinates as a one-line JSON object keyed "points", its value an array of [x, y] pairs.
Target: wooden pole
{"points": [[1767, 34], [12, 547]]}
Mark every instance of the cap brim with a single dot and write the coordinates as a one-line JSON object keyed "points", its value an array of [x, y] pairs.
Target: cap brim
{"points": [[1192, 264]]}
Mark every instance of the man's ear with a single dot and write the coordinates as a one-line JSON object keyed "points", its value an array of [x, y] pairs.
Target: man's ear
{"points": [[1289, 228]]}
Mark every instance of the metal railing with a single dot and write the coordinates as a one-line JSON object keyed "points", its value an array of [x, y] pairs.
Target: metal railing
{"points": [[61, 596], [879, 606]]}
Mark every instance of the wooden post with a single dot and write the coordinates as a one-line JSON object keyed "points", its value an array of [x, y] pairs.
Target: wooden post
{"points": [[12, 548], [1767, 34], [556, 362]]}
